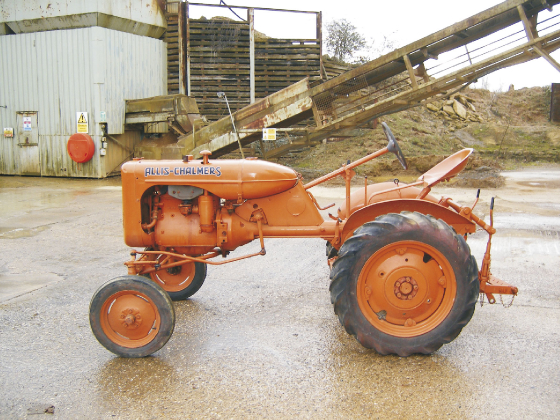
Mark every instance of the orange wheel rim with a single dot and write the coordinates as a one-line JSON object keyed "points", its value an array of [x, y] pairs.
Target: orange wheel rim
{"points": [[130, 319], [174, 279], [406, 289]]}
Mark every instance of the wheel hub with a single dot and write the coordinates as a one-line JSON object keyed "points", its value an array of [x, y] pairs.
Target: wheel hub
{"points": [[131, 318], [406, 288], [172, 279], [174, 270]]}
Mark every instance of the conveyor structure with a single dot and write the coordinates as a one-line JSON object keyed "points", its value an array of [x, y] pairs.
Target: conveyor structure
{"points": [[434, 66]]}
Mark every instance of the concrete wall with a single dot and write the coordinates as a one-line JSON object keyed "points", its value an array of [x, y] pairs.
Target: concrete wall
{"points": [[59, 73]]}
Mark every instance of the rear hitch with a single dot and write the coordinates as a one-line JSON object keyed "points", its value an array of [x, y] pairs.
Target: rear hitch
{"points": [[488, 283]]}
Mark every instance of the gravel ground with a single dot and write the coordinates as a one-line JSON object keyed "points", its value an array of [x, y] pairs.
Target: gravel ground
{"points": [[260, 339]]}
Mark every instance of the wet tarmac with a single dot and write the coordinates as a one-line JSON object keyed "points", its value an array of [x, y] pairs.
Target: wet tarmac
{"points": [[260, 339]]}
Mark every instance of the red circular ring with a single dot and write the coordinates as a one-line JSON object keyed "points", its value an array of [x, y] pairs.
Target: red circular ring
{"points": [[80, 147]]}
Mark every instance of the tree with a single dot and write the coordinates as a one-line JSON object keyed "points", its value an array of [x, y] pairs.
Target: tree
{"points": [[343, 40]]}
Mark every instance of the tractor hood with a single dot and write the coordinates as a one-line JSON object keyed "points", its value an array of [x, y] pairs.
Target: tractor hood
{"points": [[233, 179]]}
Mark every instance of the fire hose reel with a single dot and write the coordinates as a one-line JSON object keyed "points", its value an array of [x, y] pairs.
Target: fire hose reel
{"points": [[80, 147]]}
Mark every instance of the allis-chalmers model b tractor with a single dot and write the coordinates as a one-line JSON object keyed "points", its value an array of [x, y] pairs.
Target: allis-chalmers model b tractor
{"points": [[403, 280]]}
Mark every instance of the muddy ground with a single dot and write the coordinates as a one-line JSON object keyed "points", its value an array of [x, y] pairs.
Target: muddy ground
{"points": [[260, 339]]}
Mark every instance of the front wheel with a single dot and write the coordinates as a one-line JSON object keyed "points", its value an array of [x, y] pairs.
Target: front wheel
{"points": [[131, 316], [404, 283]]}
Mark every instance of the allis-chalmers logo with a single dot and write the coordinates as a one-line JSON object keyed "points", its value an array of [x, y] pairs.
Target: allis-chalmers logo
{"points": [[189, 170]]}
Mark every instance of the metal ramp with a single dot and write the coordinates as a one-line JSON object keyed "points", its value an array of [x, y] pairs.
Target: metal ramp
{"points": [[404, 78]]}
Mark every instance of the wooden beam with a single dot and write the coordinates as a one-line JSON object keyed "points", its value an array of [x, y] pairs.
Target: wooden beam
{"points": [[188, 51], [261, 142], [319, 34], [181, 41], [531, 33], [251, 20], [526, 23], [410, 72], [427, 54], [446, 83], [547, 57], [421, 71], [545, 4]]}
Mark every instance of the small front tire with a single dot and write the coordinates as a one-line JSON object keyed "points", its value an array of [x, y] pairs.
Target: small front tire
{"points": [[131, 316]]}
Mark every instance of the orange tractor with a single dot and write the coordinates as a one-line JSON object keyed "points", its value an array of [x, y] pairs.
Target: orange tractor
{"points": [[403, 280]]}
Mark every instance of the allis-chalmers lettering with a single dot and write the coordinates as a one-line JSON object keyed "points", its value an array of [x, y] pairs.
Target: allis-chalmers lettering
{"points": [[165, 171]]}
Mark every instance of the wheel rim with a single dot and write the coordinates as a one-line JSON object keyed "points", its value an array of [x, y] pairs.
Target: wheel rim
{"points": [[130, 319], [174, 279], [406, 289]]}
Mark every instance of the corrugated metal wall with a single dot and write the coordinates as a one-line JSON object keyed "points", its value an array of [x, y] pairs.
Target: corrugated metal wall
{"points": [[60, 73]]}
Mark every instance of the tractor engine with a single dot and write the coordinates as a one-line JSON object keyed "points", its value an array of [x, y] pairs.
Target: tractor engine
{"points": [[183, 215]]}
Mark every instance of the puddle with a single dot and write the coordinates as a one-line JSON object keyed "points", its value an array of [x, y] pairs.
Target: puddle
{"points": [[14, 233], [109, 188], [529, 233], [552, 184], [14, 285]]}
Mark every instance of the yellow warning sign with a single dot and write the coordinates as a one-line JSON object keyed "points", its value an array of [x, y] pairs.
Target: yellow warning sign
{"points": [[269, 134], [82, 119]]}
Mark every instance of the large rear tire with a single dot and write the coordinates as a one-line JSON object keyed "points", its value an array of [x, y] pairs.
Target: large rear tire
{"points": [[131, 316], [404, 283]]}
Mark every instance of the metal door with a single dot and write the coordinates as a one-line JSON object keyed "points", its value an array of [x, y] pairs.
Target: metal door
{"points": [[27, 140]]}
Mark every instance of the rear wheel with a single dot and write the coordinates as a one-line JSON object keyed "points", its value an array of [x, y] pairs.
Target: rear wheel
{"points": [[331, 251], [179, 282], [131, 316], [404, 283]]}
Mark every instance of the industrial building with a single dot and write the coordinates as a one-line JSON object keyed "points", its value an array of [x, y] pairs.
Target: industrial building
{"points": [[67, 68]]}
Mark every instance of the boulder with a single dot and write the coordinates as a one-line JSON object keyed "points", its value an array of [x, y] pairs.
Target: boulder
{"points": [[432, 107], [449, 110], [460, 110]]}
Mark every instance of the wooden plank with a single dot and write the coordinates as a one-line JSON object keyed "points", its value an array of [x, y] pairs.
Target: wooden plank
{"points": [[526, 25], [181, 45], [410, 72], [289, 57], [548, 58]]}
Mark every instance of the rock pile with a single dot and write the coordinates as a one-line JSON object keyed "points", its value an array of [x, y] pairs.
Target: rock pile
{"points": [[457, 107]]}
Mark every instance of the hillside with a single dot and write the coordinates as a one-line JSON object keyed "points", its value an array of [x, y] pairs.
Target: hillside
{"points": [[506, 130]]}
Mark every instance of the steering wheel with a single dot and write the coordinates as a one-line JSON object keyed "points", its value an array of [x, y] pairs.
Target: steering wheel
{"points": [[393, 146]]}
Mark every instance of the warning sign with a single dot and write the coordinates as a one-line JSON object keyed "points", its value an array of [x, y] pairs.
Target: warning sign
{"points": [[8, 132], [82, 119], [269, 134], [26, 123]]}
